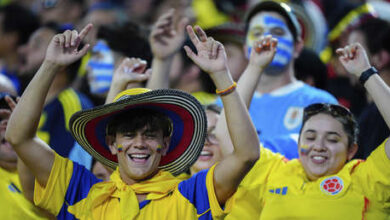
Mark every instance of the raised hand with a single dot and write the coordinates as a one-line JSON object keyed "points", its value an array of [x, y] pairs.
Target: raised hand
{"points": [[211, 55], [263, 51], [131, 70], [63, 48], [166, 39], [354, 58]]}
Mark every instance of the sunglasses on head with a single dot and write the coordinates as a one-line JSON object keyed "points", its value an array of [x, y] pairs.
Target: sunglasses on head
{"points": [[335, 110]]}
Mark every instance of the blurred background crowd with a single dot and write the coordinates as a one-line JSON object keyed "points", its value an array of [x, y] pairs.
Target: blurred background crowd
{"points": [[122, 29]]}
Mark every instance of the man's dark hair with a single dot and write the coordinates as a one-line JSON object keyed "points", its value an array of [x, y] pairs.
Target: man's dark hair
{"points": [[139, 118], [373, 30], [129, 39], [20, 20]]}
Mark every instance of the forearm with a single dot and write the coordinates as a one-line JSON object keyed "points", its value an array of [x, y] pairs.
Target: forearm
{"points": [[241, 130], [160, 73], [380, 93], [115, 89], [246, 87], [24, 120]]}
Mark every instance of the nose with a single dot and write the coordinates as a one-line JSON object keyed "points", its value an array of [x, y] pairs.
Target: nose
{"points": [[319, 146], [138, 141]]}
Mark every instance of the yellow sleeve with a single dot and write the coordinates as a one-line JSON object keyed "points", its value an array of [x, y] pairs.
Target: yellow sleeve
{"points": [[216, 210], [52, 196], [374, 176], [250, 190]]}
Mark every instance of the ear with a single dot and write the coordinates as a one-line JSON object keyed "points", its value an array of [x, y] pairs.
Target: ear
{"points": [[352, 151], [298, 46], [166, 142], [111, 142]]}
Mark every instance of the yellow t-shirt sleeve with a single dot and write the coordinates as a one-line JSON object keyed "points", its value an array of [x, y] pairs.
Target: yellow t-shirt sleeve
{"points": [[52, 196], [374, 175], [216, 210]]}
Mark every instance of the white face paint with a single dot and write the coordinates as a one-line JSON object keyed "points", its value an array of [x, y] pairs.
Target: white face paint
{"points": [[101, 68], [265, 23]]}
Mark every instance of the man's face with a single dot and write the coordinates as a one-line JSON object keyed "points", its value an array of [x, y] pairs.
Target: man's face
{"points": [[33, 53], [140, 153], [100, 68], [271, 23]]}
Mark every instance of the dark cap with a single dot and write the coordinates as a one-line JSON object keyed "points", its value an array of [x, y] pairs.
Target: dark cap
{"points": [[283, 9]]}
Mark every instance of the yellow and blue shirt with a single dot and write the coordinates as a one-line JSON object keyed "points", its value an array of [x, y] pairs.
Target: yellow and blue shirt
{"points": [[13, 204], [69, 187], [53, 126], [276, 188]]}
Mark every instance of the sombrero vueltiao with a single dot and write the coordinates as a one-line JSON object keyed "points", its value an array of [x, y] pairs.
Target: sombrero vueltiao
{"points": [[88, 127]]}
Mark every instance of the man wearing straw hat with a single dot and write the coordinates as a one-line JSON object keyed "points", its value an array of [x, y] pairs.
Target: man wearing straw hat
{"points": [[145, 135]]}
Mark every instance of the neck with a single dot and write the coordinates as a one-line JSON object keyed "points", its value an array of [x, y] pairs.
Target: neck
{"points": [[130, 181], [269, 83], [60, 83]]}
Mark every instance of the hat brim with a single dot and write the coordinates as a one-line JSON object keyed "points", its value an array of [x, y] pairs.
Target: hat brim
{"points": [[189, 120]]}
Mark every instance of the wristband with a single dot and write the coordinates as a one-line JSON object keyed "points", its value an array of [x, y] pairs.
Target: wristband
{"points": [[226, 91], [366, 74]]}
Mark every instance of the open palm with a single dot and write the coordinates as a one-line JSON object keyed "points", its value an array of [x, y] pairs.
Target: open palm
{"points": [[211, 55], [63, 48]]}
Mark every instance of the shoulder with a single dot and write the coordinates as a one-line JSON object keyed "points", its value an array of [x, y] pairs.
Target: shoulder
{"points": [[316, 94]]}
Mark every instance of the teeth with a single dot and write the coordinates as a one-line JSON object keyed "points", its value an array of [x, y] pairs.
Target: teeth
{"points": [[205, 153], [139, 156], [319, 158]]}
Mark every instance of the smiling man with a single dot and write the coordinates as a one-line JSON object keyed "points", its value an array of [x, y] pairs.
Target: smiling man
{"points": [[146, 136]]}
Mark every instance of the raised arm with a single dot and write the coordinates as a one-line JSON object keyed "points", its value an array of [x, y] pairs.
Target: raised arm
{"points": [[260, 57], [165, 40], [211, 57], [22, 126], [354, 59]]}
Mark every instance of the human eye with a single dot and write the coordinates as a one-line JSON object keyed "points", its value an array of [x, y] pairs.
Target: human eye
{"points": [[257, 32], [150, 134], [278, 31], [333, 138], [129, 134]]}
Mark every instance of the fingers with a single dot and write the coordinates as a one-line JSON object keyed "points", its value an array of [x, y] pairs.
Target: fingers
{"points": [[266, 43], [11, 103], [190, 53], [194, 39], [200, 32], [348, 52], [68, 36], [85, 32]]}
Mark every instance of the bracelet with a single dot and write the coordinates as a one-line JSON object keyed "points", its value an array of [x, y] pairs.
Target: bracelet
{"points": [[227, 91], [366, 74]]}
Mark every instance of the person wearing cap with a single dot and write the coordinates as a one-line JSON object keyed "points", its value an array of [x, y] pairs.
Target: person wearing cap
{"points": [[324, 183], [274, 89], [147, 136]]}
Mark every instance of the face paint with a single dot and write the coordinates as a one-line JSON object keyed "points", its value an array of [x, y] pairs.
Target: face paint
{"points": [[305, 149], [263, 24], [101, 68], [159, 148], [120, 148]]}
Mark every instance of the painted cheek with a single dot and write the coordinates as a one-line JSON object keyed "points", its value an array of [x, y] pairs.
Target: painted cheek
{"points": [[101, 69]]}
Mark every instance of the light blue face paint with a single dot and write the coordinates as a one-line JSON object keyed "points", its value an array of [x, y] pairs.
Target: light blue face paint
{"points": [[264, 24], [101, 68]]}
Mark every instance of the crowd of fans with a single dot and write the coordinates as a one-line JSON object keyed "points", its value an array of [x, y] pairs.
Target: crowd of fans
{"points": [[291, 103]]}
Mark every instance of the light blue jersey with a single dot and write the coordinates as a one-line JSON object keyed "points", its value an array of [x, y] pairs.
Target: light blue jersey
{"points": [[278, 114]]}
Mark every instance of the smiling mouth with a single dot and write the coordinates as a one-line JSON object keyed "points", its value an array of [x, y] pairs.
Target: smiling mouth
{"points": [[205, 155], [139, 158], [318, 159]]}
